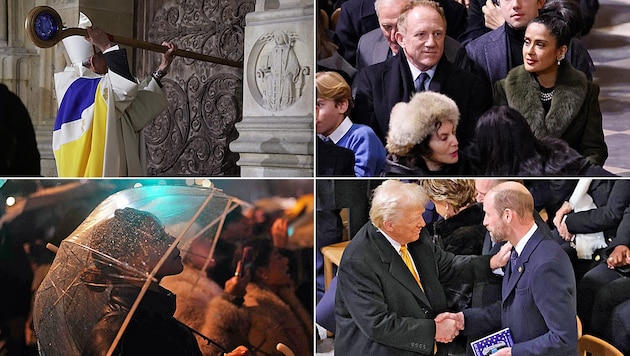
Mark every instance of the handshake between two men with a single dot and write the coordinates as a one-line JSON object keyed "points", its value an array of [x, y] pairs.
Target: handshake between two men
{"points": [[448, 325]]}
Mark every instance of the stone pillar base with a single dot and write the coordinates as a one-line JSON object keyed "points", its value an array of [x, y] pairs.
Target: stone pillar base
{"points": [[273, 148]]}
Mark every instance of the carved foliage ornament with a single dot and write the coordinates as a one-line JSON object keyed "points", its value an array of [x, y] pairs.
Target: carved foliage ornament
{"points": [[192, 136]]}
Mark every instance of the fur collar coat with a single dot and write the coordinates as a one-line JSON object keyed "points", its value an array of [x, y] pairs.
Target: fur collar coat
{"points": [[574, 115], [264, 320], [194, 292]]}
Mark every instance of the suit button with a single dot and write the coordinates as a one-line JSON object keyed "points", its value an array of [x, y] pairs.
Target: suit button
{"points": [[597, 258]]}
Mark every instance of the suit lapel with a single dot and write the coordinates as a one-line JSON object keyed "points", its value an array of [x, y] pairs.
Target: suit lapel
{"points": [[381, 48], [400, 84], [511, 278], [397, 267], [442, 73], [497, 49]]}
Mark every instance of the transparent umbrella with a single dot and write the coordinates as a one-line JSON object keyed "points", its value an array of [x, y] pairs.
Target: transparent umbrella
{"points": [[72, 297]]}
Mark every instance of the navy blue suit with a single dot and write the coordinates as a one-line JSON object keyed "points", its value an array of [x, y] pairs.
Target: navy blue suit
{"points": [[537, 304]]}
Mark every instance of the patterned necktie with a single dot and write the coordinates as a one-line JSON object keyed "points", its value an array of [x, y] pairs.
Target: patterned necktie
{"points": [[407, 259], [420, 82], [513, 257]]}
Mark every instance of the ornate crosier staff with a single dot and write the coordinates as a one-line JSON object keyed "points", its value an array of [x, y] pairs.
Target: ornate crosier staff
{"points": [[44, 27]]}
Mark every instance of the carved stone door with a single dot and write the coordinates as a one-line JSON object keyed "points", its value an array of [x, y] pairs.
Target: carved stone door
{"points": [[205, 100]]}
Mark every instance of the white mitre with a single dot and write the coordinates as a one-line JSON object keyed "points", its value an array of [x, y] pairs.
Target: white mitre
{"points": [[77, 47]]}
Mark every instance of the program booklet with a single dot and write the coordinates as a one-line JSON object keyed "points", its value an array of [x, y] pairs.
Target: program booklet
{"points": [[492, 343]]}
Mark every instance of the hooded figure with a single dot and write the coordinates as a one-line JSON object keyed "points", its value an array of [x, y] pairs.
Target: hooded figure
{"points": [[125, 248]]}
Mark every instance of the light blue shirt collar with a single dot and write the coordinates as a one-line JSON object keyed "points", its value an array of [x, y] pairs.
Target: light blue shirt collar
{"points": [[415, 72]]}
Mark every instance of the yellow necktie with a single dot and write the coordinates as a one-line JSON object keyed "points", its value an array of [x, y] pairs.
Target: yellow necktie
{"points": [[407, 259]]}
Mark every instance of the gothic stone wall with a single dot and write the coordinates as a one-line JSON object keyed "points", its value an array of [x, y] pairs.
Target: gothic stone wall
{"points": [[205, 99]]}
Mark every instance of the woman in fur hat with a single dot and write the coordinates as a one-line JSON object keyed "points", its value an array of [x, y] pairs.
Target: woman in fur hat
{"points": [[268, 314], [555, 99], [421, 140]]}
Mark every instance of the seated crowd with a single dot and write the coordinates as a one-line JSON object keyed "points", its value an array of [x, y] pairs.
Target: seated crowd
{"points": [[505, 93], [568, 242]]}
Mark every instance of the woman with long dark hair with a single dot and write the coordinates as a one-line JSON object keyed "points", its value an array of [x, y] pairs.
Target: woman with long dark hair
{"points": [[504, 145]]}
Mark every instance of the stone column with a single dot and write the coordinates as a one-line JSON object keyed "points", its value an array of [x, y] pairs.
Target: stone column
{"points": [[3, 23], [276, 133]]}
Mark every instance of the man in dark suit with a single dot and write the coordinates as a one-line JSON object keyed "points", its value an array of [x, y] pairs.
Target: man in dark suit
{"points": [[374, 48], [358, 17], [538, 291], [379, 44], [379, 87], [19, 155], [385, 306]]}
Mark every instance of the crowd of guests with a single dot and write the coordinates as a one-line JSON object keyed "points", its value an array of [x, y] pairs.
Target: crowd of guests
{"points": [[255, 308], [511, 91], [205, 299], [562, 249]]}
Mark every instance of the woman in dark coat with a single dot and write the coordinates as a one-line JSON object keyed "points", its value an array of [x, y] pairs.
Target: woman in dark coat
{"points": [[504, 145], [556, 99], [421, 140], [461, 231]]}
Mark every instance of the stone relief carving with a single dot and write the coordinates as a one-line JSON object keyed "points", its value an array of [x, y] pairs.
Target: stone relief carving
{"points": [[192, 136], [279, 76]]}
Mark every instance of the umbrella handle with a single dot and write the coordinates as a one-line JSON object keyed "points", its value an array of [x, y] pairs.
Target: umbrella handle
{"points": [[52, 248], [44, 28], [284, 349]]}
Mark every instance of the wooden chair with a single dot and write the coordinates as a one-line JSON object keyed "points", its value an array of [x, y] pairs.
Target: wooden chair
{"points": [[334, 17], [594, 346], [579, 327], [332, 255]]}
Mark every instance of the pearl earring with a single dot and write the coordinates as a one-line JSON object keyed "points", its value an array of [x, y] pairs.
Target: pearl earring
{"points": [[559, 59]]}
